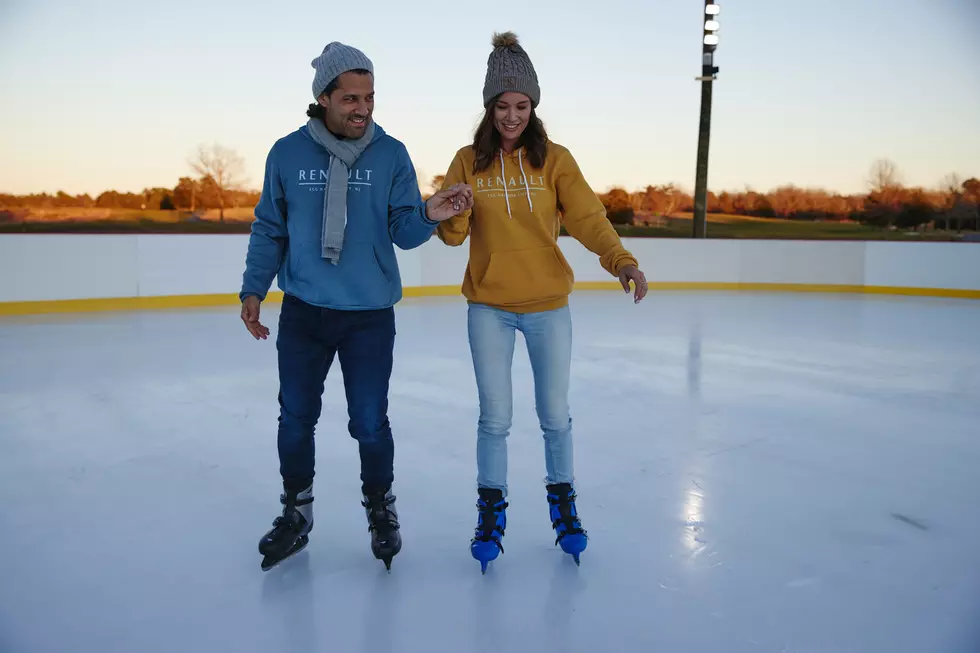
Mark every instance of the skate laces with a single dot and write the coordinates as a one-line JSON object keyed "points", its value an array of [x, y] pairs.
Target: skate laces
{"points": [[491, 520], [564, 516], [380, 512], [291, 518]]}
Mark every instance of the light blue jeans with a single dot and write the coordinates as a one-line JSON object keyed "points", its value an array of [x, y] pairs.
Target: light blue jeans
{"points": [[548, 335]]}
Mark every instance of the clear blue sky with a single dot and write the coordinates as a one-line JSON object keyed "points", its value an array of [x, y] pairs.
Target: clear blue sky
{"points": [[119, 95]]}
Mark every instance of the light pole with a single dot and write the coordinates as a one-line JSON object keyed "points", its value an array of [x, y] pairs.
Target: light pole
{"points": [[709, 41]]}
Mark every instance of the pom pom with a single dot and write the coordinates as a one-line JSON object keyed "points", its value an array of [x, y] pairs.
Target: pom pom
{"points": [[505, 40]]}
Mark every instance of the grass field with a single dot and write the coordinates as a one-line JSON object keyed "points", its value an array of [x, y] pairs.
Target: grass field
{"points": [[124, 221], [238, 221], [722, 225], [737, 226]]}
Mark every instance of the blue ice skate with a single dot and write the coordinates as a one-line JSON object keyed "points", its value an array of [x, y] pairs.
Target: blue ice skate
{"points": [[564, 519], [491, 522]]}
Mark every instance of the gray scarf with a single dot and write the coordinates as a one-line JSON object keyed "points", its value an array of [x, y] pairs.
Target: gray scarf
{"points": [[343, 155]]}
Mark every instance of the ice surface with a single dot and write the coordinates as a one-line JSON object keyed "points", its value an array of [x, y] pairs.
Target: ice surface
{"points": [[795, 473]]}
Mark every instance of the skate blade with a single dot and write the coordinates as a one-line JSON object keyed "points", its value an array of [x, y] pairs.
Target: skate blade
{"points": [[386, 556], [270, 562]]}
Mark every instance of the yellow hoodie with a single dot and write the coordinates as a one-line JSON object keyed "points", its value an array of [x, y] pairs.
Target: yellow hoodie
{"points": [[515, 263]]}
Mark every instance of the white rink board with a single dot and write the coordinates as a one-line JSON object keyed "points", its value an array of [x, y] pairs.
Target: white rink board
{"points": [[923, 265], [54, 267], [40, 267]]}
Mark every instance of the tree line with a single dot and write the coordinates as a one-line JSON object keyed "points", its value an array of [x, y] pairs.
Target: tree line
{"points": [[954, 204], [218, 183]]}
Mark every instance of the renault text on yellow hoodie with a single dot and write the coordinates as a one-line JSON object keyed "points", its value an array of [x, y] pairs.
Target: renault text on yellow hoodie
{"points": [[515, 262]]}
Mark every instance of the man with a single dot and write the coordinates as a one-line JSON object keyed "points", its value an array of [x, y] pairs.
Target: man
{"points": [[338, 195]]}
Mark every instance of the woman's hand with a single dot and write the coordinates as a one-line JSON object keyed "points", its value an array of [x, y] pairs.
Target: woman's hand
{"points": [[633, 273]]}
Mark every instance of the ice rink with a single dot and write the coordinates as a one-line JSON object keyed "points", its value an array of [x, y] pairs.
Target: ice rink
{"points": [[793, 473]]}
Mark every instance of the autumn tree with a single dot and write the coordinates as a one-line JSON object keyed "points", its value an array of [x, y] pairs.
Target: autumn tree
{"points": [[971, 195], [788, 201], [916, 209], [186, 193], [752, 203], [222, 170], [619, 206], [664, 199], [112, 199], [157, 198], [960, 205]]}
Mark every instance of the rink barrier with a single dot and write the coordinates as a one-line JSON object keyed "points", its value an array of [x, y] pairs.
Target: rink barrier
{"points": [[164, 302], [68, 273]]}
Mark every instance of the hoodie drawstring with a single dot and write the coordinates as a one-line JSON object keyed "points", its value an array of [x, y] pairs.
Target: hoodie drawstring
{"points": [[503, 176], [527, 188]]}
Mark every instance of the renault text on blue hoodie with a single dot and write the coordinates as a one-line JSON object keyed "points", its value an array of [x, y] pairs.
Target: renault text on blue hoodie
{"points": [[384, 208]]}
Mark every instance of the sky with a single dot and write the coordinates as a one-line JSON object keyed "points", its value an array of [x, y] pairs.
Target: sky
{"points": [[118, 95]]}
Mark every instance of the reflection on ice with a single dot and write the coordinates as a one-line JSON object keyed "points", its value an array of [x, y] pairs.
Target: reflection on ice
{"points": [[694, 360], [694, 521]]}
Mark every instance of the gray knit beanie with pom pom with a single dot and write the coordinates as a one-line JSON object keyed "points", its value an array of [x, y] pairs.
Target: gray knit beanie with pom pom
{"points": [[509, 69]]}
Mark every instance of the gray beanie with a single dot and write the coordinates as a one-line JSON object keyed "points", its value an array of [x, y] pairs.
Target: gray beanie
{"points": [[509, 69], [335, 60]]}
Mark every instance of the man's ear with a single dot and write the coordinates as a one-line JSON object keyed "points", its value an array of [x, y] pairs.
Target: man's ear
{"points": [[323, 100]]}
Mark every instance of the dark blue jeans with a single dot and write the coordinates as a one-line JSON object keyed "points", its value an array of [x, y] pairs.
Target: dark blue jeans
{"points": [[309, 337]]}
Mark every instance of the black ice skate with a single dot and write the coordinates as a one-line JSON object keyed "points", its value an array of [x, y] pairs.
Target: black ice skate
{"points": [[382, 518], [290, 531]]}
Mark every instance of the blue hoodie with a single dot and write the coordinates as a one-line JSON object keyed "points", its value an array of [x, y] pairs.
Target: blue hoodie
{"points": [[384, 208]]}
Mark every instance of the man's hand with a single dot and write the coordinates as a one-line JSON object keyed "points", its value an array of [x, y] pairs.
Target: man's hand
{"points": [[250, 316], [632, 273], [450, 202]]}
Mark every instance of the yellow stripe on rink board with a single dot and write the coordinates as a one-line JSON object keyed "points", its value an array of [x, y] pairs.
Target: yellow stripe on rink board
{"points": [[789, 287], [230, 299], [431, 291], [123, 303]]}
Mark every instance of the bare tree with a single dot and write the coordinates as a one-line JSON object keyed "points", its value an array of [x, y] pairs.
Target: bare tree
{"points": [[673, 198], [951, 183], [884, 175], [223, 168], [884, 200]]}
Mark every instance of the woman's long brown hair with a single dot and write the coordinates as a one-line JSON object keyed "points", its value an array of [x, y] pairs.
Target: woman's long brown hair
{"points": [[486, 141]]}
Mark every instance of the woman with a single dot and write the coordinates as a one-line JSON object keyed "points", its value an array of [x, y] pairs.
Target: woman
{"points": [[524, 187]]}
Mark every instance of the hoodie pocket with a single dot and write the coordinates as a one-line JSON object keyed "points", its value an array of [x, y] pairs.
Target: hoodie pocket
{"points": [[381, 267], [525, 276]]}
